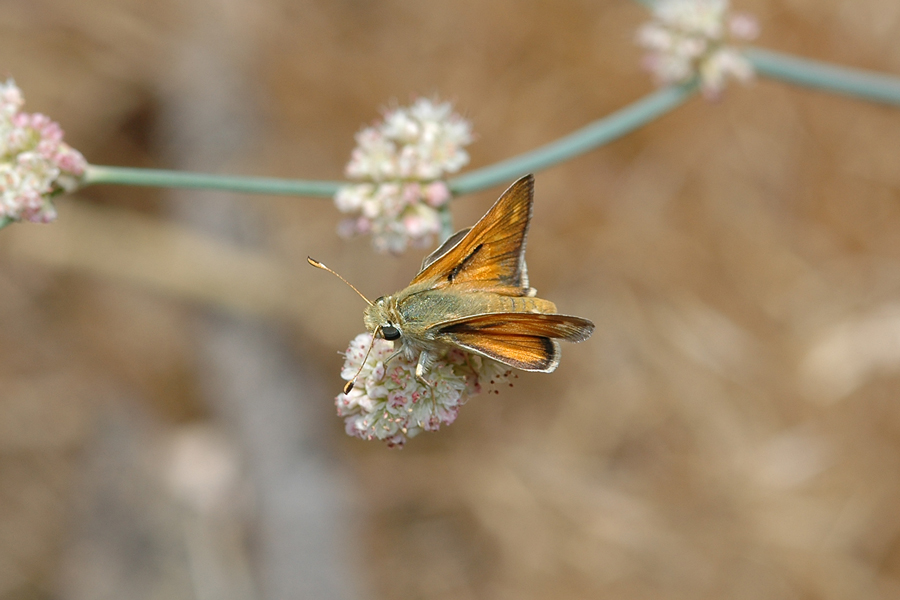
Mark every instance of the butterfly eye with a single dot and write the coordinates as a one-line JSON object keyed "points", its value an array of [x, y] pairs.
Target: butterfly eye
{"points": [[390, 332]]}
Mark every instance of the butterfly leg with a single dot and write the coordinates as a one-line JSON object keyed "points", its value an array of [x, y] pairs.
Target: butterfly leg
{"points": [[426, 359], [393, 354]]}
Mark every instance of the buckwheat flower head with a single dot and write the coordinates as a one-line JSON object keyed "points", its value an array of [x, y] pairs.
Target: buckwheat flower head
{"points": [[401, 163], [388, 403], [35, 164], [688, 38]]}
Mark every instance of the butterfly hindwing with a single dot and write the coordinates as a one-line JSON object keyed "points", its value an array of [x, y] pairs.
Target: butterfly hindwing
{"points": [[525, 352], [443, 248], [522, 340]]}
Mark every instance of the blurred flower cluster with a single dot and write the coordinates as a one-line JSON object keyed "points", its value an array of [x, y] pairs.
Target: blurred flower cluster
{"points": [[688, 38], [401, 162], [388, 403], [35, 164]]}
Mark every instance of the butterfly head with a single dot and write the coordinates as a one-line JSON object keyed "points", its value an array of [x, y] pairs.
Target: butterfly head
{"points": [[382, 318]]}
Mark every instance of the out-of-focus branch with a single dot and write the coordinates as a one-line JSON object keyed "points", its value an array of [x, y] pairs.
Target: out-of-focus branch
{"points": [[167, 258], [816, 74]]}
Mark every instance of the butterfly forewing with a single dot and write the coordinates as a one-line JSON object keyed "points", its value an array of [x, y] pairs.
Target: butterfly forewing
{"points": [[491, 256]]}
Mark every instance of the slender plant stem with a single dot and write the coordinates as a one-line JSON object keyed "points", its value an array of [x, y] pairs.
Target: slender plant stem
{"points": [[159, 178], [816, 74], [592, 136]]}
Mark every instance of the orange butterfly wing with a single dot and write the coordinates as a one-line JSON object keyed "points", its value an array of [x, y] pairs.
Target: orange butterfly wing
{"points": [[521, 340], [490, 257]]}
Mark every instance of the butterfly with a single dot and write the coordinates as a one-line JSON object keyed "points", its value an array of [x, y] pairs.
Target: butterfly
{"points": [[473, 293]]}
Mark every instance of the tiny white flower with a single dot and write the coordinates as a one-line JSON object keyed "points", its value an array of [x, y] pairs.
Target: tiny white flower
{"points": [[426, 111], [402, 162], [688, 38], [723, 64]]}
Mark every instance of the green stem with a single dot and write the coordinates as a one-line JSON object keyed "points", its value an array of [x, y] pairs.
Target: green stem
{"points": [[592, 136], [812, 73], [179, 179], [4, 221]]}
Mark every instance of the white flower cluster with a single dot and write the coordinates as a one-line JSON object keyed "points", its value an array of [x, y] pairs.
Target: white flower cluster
{"points": [[35, 164], [388, 403], [401, 162], [691, 37]]}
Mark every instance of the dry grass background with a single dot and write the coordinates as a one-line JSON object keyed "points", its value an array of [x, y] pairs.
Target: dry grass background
{"points": [[168, 361]]}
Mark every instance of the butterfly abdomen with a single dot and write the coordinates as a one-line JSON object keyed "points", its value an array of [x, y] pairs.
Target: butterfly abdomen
{"points": [[529, 304]]}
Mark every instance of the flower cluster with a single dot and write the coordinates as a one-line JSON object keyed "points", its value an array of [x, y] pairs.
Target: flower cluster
{"points": [[691, 37], [401, 162], [35, 164], [388, 403]]}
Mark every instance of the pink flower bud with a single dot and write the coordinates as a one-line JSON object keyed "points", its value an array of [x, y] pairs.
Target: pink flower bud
{"points": [[744, 26]]}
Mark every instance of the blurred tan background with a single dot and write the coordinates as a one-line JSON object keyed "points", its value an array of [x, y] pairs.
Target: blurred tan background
{"points": [[168, 361]]}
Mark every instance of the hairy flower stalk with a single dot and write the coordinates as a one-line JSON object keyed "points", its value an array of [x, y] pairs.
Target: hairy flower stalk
{"points": [[35, 164], [388, 403], [689, 38], [401, 163]]}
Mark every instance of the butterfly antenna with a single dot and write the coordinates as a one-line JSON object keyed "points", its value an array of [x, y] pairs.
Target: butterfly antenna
{"points": [[319, 265], [349, 385]]}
